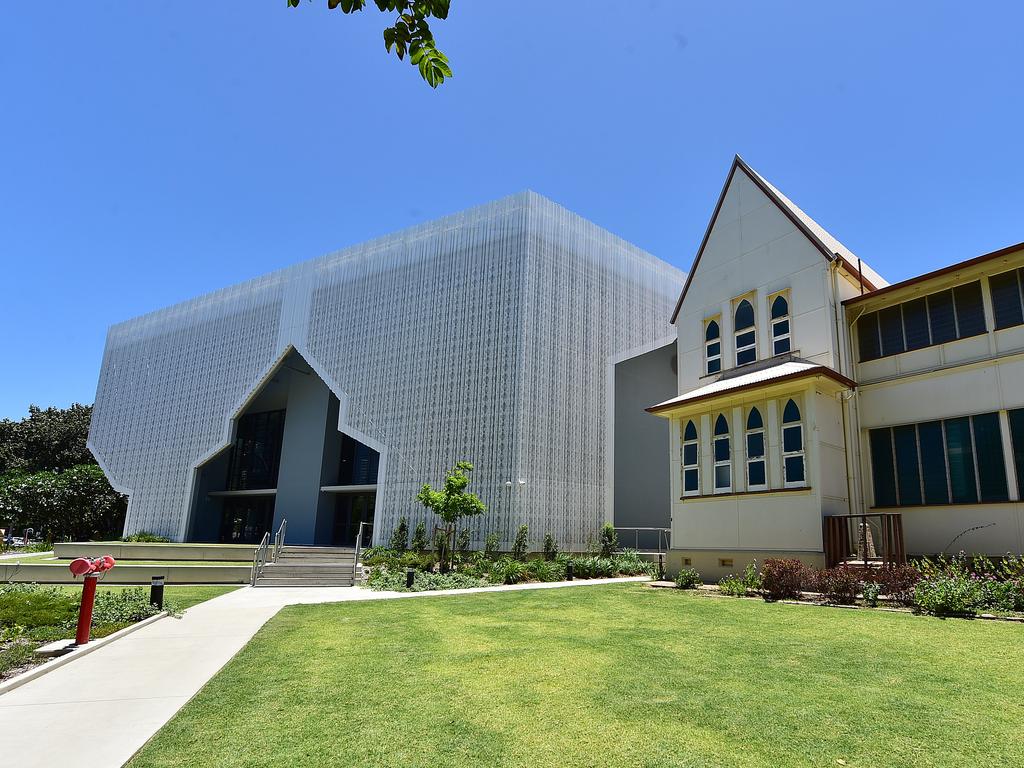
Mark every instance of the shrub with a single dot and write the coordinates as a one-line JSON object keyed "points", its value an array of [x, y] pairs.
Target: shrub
{"points": [[782, 579], [419, 538], [423, 581], [629, 563], [951, 594], [1003, 595], [838, 585], [740, 586], [509, 571], [550, 549], [546, 570], [520, 544], [463, 540], [609, 540], [400, 536], [491, 542], [897, 582], [871, 591], [126, 606], [688, 578], [146, 537], [30, 606], [592, 567]]}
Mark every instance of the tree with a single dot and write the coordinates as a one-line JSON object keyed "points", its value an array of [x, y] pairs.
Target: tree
{"points": [[452, 503], [53, 439], [410, 34], [400, 536]]}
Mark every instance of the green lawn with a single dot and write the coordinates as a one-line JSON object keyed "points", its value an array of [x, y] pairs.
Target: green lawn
{"points": [[620, 675], [49, 559]]}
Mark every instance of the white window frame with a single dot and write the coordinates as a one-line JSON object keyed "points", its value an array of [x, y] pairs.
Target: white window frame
{"points": [[763, 458], [786, 318], [802, 453], [708, 357], [684, 467], [727, 462], [752, 329]]}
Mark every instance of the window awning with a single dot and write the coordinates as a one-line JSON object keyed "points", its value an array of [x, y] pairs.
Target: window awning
{"points": [[776, 374]]}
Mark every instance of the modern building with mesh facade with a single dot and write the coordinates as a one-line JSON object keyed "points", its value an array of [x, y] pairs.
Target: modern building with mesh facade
{"points": [[327, 393]]}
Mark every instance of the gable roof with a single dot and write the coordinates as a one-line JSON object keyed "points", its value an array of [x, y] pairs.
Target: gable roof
{"points": [[829, 246]]}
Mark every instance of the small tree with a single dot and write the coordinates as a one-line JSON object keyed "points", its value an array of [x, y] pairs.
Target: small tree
{"points": [[491, 542], [550, 547], [609, 540], [452, 503], [519, 545], [400, 536], [419, 538], [463, 542]]}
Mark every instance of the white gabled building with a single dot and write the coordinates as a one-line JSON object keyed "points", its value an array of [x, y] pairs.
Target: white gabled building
{"points": [[810, 391]]}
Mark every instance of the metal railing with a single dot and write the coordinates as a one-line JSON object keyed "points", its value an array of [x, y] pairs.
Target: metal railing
{"points": [[359, 542], [267, 552], [660, 538], [864, 540]]}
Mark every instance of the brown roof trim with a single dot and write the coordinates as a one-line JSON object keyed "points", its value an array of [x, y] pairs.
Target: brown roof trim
{"points": [[818, 370], [738, 162], [937, 273]]}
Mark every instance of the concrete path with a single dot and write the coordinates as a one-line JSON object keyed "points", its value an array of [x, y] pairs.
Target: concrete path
{"points": [[100, 709]]}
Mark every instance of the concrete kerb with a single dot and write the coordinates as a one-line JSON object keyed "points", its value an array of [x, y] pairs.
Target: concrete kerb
{"points": [[60, 661]]}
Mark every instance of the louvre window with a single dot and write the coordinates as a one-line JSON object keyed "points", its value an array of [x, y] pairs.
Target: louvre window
{"points": [[1016, 418], [1008, 298], [689, 460], [793, 469], [780, 325], [723, 461], [955, 461], [712, 348], [757, 478], [936, 319], [746, 334]]}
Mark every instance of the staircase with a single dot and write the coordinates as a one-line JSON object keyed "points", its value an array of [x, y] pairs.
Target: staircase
{"points": [[309, 567]]}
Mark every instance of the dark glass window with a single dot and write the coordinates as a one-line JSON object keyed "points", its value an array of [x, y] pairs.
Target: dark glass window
{"points": [[256, 454], [940, 317], [794, 469], [690, 433], [755, 445], [908, 472], [915, 323], [961, 461], [722, 449], [970, 315], [744, 315], [988, 447], [867, 337], [711, 333], [780, 307], [933, 462], [1006, 299], [883, 470], [1017, 440], [890, 322], [690, 480], [245, 519], [690, 454], [754, 419], [359, 463], [721, 425], [755, 473], [790, 413]]}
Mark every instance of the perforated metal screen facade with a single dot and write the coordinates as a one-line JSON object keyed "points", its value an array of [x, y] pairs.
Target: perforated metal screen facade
{"points": [[483, 336]]}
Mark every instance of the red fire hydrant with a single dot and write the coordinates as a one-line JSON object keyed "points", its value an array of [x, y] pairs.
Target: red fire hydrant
{"points": [[90, 569]]}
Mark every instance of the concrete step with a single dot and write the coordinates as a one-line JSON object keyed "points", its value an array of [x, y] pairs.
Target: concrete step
{"points": [[264, 581], [315, 558], [290, 549], [313, 572]]}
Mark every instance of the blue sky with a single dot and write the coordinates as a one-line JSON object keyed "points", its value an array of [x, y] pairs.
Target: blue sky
{"points": [[154, 151]]}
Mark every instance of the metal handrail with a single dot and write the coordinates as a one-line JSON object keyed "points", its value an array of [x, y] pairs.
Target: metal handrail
{"points": [[664, 537], [259, 559], [359, 542], [279, 539]]}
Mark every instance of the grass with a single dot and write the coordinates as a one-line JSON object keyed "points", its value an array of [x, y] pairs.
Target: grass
{"points": [[51, 614], [49, 559], [607, 676]]}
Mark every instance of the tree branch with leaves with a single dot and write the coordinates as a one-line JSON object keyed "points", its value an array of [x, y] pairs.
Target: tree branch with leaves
{"points": [[452, 503], [410, 34]]}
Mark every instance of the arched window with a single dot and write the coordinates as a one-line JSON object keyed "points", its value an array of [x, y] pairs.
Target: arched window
{"points": [[712, 348], [746, 335], [688, 460], [757, 478], [780, 325], [793, 470], [723, 462]]}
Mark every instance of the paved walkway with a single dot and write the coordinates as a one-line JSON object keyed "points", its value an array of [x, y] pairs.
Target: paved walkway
{"points": [[101, 708]]}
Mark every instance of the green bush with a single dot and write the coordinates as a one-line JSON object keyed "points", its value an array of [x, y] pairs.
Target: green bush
{"points": [[608, 541], [949, 595], [31, 605], [463, 540], [419, 538], [509, 571], [630, 563], [688, 578], [400, 536], [146, 537], [545, 570], [871, 590], [126, 606], [550, 549], [394, 581], [740, 586], [592, 567], [520, 544], [491, 542]]}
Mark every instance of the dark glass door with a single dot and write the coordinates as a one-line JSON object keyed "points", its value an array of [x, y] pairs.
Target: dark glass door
{"points": [[246, 519], [350, 510]]}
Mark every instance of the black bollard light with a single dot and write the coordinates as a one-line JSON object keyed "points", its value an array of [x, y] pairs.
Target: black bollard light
{"points": [[156, 592], [661, 567], [568, 571], [410, 574]]}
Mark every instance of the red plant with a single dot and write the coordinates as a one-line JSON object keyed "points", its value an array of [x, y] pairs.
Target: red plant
{"points": [[783, 578], [897, 582], [838, 585]]}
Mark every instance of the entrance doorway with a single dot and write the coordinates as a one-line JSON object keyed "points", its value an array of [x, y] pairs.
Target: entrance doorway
{"points": [[246, 518], [351, 509]]}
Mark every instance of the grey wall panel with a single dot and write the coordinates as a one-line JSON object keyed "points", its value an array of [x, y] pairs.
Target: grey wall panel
{"points": [[484, 336]]}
